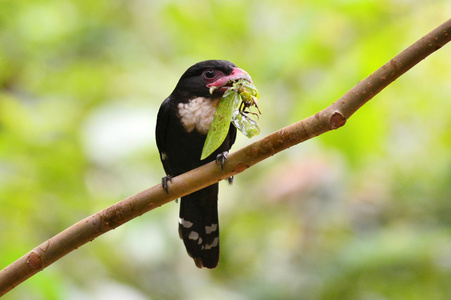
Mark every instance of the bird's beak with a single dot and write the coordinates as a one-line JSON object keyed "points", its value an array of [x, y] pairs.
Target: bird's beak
{"points": [[223, 83]]}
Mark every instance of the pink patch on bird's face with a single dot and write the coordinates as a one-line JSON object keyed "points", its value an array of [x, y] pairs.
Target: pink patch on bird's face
{"points": [[223, 83]]}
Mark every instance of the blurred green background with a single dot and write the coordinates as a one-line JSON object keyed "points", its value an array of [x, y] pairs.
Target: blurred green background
{"points": [[363, 212]]}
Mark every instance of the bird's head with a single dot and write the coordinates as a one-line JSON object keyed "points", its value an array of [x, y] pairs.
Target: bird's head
{"points": [[209, 79]]}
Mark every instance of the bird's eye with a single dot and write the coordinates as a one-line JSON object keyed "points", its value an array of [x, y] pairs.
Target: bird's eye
{"points": [[211, 75]]}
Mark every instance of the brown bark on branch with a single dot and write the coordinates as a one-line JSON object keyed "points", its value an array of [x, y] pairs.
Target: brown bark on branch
{"points": [[330, 118]]}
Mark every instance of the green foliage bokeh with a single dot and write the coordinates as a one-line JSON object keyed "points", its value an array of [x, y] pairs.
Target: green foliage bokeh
{"points": [[363, 212]]}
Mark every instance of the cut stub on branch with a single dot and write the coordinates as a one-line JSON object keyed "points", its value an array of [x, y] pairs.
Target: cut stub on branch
{"points": [[336, 120]]}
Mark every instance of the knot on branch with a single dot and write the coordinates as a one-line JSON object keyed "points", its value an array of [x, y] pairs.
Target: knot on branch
{"points": [[336, 120], [34, 261]]}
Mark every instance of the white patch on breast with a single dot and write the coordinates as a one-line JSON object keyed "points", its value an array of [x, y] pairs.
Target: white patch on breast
{"points": [[198, 114]]}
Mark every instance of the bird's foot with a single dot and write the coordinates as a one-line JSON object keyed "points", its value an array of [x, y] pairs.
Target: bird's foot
{"points": [[164, 182], [221, 159], [230, 180]]}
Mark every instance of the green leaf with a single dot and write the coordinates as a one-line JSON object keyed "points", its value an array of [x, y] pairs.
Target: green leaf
{"points": [[232, 108], [221, 122]]}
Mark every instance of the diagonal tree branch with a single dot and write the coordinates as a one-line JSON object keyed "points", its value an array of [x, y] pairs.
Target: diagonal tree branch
{"points": [[332, 117]]}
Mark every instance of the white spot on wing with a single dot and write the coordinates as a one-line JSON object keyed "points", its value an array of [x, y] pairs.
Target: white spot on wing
{"points": [[185, 223], [198, 114], [164, 156], [193, 235], [213, 244], [210, 229]]}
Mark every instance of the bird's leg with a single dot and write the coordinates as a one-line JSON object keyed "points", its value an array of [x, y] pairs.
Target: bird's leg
{"points": [[221, 159], [164, 182]]}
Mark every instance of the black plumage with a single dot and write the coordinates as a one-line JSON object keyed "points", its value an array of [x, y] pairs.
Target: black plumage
{"points": [[182, 125]]}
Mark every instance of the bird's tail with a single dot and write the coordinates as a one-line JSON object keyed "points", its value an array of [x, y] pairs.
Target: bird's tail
{"points": [[199, 227]]}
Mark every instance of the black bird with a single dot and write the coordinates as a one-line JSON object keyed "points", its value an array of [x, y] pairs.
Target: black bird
{"points": [[183, 122]]}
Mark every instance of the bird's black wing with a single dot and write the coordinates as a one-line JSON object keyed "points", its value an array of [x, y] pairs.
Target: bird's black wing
{"points": [[160, 133]]}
